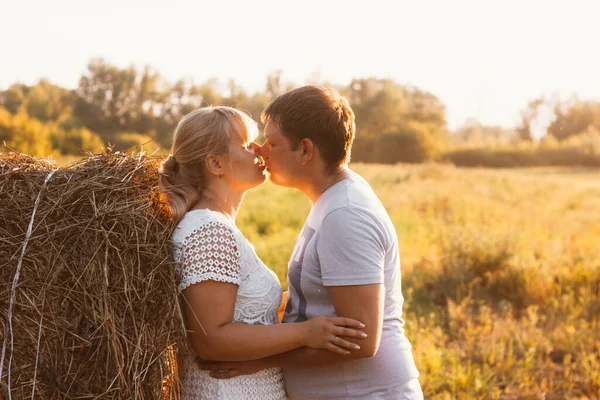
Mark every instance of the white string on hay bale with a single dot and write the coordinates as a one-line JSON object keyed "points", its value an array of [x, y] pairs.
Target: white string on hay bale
{"points": [[88, 298]]}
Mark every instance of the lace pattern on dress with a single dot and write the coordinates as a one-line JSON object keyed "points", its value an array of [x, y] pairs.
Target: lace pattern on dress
{"points": [[210, 253]]}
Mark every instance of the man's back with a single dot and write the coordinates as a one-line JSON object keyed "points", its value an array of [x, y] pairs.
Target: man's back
{"points": [[348, 239]]}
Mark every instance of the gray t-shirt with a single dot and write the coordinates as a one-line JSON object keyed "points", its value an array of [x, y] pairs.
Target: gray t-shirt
{"points": [[349, 239]]}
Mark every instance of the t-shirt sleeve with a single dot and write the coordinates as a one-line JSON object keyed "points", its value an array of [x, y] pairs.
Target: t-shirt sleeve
{"points": [[210, 253], [351, 248]]}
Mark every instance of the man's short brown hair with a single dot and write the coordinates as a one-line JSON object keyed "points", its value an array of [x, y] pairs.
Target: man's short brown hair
{"points": [[319, 114]]}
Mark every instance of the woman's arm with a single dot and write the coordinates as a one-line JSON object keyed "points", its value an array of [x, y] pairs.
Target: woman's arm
{"points": [[361, 301], [211, 267], [208, 309]]}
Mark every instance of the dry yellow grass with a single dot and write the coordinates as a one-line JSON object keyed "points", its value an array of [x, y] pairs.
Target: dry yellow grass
{"points": [[501, 273]]}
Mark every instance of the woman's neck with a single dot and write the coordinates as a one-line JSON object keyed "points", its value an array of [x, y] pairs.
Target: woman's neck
{"points": [[221, 200]]}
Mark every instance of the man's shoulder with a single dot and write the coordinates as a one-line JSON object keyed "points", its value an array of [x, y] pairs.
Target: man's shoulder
{"points": [[352, 191], [352, 199], [359, 195], [353, 215], [356, 202]]}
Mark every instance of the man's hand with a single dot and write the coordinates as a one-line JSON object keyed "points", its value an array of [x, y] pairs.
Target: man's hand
{"points": [[228, 370]]}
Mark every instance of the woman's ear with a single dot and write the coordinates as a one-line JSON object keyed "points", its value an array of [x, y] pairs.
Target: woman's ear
{"points": [[307, 148], [214, 165]]}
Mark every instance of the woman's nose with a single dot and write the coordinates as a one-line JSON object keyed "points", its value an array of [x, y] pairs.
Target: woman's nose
{"points": [[256, 148]]}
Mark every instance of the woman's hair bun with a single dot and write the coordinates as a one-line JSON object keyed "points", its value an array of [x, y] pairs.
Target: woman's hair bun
{"points": [[169, 165]]}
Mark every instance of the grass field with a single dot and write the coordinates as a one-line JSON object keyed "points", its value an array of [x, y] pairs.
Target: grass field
{"points": [[501, 273]]}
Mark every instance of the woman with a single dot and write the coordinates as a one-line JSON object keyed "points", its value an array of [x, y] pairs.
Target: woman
{"points": [[230, 298]]}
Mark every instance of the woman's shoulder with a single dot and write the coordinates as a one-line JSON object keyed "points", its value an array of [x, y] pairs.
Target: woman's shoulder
{"points": [[201, 220]]}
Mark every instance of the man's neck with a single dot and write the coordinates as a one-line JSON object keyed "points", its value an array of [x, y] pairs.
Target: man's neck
{"points": [[320, 182]]}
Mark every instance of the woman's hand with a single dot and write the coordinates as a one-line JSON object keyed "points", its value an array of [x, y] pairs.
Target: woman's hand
{"points": [[325, 333]]}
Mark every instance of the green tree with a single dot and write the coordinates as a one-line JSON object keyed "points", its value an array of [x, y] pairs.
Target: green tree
{"points": [[5, 125], [426, 108], [388, 113], [76, 141], [382, 105], [274, 85], [415, 143], [108, 98], [13, 97], [26, 135], [574, 117], [472, 132], [530, 115], [147, 98], [47, 102]]}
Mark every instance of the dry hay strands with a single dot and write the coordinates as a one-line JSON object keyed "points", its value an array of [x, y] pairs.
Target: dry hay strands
{"points": [[93, 309]]}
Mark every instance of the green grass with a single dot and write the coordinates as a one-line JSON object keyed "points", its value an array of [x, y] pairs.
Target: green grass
{"points": [[501, 273]]}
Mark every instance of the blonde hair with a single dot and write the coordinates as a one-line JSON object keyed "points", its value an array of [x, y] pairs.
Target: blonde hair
{"points": [[202, 132]]}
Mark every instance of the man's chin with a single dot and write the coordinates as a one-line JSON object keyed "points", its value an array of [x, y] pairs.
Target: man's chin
{"points": [[276, 179]]}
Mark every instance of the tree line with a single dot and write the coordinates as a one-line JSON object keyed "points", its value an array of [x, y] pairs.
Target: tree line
{"points": [[127, 108]]}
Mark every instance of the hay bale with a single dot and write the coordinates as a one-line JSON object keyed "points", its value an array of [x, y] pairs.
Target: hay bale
{"points": [[93, 311]]}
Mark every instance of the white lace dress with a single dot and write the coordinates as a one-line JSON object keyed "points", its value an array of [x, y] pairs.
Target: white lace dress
{"points": [[210, 247]]}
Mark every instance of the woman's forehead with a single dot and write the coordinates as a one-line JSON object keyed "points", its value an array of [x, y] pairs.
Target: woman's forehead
{"points": [[244, 132]]}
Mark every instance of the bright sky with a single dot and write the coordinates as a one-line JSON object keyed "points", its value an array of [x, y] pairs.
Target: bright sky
{"points": [[484, 59]]}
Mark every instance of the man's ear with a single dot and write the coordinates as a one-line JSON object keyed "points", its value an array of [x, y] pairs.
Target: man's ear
{"points": [[214, 164], [307, 149]]}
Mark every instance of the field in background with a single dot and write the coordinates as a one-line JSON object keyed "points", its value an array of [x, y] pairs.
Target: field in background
{"points": [[501, 273], [500, 267]]}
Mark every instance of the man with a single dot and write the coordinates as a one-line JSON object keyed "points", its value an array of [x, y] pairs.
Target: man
{"points": [[346, 259]]}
